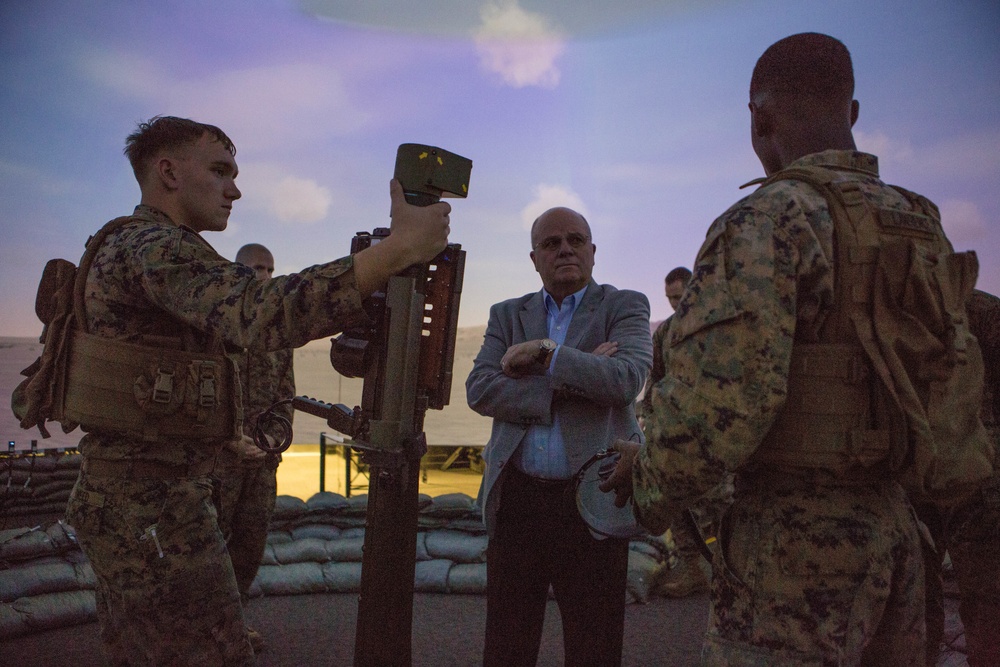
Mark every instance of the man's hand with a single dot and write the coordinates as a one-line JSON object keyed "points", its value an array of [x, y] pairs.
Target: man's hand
{"points": [[620, 479], [245, 449], [522, 359], [418, 234], [421, 230]]}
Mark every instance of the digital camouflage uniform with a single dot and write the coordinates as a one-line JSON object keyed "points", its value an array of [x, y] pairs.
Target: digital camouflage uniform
{"points": [[708, 509], [811, 569], [249, 487], [170, 598], [971, 533]]}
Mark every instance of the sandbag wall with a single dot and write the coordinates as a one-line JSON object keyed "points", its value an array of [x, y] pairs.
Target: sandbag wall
{"points": [[34, 487], [314, 546]]}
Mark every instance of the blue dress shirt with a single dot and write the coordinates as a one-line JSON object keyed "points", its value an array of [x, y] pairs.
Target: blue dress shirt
{"points": [[542, 452]]}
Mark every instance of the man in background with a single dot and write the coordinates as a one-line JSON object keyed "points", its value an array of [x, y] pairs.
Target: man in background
{"points": [[689, 575], [559, 372], [970, 533], [248, 478]]}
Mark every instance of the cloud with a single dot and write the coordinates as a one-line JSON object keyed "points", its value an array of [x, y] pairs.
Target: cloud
{"points": [[521, 46], [458, 17], [30, 178], [548, 196], [260, 107], [962, 220], [885, 147], [290, 199]]}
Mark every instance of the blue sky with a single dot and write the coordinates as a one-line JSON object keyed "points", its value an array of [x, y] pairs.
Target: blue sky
{"points": [[632, 112]]}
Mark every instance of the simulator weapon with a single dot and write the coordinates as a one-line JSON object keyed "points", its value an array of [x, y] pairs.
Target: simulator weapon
{"points": [[406, 358]]}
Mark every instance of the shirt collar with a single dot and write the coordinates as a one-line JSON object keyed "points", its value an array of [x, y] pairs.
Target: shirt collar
{"points": [[574, 300]]}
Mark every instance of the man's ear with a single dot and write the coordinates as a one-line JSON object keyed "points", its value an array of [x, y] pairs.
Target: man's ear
{"points": [[762, 122], [166, 173]]}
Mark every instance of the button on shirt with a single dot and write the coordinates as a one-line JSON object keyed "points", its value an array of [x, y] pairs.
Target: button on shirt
{"points": [[542, 452]]}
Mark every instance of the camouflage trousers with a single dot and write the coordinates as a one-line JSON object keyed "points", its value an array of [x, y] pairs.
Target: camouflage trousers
{"points": [[817, 575], [971, 535], [245, 504], [166, 594], [707, 511]]}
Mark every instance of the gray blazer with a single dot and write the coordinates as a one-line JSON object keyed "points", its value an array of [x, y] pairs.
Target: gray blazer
{"points": [[594, 395]]}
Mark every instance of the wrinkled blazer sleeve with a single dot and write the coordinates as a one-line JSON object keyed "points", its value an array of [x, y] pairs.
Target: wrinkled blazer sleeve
{"points": [[609, 381], [525, 400]]}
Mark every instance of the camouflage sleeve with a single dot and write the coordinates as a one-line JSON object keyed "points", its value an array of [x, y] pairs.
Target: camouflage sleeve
{"points": [[730, 345], [184, 276], [267, 378], [984, 322], [658, 370], [286, 382]]}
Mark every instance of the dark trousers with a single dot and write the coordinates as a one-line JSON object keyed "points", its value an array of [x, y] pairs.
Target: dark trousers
{"points": [[540, 540]]}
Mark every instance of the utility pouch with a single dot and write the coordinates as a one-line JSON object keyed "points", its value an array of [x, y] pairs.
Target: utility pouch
{"points": [[150, 393]]}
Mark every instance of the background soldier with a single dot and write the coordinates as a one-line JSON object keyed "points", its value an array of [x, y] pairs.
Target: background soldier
{"points": [[688, 575], [970, 534], [248, 477], [820, 559], [162, 299]]}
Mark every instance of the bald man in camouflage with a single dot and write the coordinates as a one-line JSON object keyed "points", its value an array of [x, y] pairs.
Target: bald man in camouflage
{"points": [[248, 478], [820, 559]]}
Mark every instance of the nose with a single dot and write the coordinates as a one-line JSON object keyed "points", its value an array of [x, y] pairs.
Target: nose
{"points": [[234, 192]]}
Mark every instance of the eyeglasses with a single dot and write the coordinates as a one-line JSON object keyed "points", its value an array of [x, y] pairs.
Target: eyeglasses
{"points": [[553, 243]]}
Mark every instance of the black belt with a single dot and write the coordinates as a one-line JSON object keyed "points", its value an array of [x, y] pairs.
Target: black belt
{"points": [[540, 483]]}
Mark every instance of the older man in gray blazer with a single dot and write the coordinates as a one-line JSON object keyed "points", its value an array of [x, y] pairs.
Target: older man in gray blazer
{"points": [[558, 372]]}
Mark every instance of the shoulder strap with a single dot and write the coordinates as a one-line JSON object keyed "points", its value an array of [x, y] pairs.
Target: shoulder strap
{"points": [[79, 286]]}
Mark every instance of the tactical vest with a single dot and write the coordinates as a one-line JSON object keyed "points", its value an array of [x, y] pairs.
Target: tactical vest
{"points": [[894, 384], [148, 392]]}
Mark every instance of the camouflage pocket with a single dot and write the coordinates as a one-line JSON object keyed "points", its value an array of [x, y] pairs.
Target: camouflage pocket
{"points": [[85, 511]]}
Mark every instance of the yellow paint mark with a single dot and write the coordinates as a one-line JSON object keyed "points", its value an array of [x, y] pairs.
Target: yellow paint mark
{"points": [[422, 155], [465, 188], [709, 540], [440, 161]]}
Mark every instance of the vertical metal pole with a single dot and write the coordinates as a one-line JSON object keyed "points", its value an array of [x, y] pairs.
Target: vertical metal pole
{"points": [[322, 462], [347, 465], [385, 604]]}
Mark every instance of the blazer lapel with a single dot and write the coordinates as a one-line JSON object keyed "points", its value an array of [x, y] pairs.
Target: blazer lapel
{"points": [[584, 315], [533, 318]]}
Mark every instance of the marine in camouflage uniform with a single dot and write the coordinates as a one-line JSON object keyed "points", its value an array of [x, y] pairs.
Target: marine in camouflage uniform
{"points": [[249, 485], [971, 533], [812, 567], [688, 574], [142, 509]]}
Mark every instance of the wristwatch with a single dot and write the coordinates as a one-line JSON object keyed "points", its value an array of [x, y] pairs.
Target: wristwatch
{"points": [[545, 350]]}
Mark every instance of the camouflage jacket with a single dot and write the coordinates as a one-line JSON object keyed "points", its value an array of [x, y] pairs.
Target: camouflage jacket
{"points": [[152, 278], [659, 369], [984, 322], [763, 279]]}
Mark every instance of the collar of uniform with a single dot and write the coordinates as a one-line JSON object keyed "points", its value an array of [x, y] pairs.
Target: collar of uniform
{"points": [[840, 160], [153, 214]]}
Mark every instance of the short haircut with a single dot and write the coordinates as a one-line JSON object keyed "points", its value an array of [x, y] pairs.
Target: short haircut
{"points": [[808, 64], [680, 274], [165, 132], [243, 254]]}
